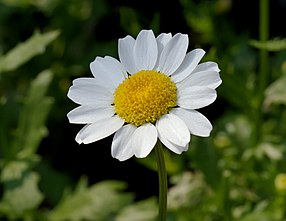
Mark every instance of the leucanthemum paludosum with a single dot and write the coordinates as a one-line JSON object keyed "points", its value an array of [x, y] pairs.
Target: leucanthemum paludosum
{"points": [[151, 93]]}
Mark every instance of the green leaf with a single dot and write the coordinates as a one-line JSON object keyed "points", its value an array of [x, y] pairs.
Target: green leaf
{"points": [[129, 20], [21, 195], [97, 203], [53, 182], [14, 170], [276, 92], [201, 19], [31, 127], [145, 210], [238, 68], [265, 211], [210, 168], [25, 51], [18, 3], [187, 191], [272, 151], [270, 45]]}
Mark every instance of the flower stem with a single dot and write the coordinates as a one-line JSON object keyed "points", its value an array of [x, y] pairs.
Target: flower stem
{"points": [[284, 208], [263, 37], [163, 186], [263, 61]]}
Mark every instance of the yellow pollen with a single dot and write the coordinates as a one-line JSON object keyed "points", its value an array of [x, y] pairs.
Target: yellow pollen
{"points": [[144, 97]]}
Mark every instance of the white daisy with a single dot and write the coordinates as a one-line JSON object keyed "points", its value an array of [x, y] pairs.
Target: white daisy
{"points": [[151, 93]]}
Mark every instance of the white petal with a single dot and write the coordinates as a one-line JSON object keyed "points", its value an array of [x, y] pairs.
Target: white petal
{"points": [[162, 41], [173, 132], [126, 56], [86, 91], [108, 71], [99, 130], [121, 147], [145, 50], [189, 64], [87, 114], [205, 74], [144, 139], [84, 82], [209, 79], [207, 66], [197, 123], [173, 54], [196, 97], [173, 147]]}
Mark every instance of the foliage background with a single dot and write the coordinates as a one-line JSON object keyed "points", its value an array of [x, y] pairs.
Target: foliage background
{"points": [[236, 174]]}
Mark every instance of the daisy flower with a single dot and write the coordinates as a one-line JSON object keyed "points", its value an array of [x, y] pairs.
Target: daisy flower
{"points": [[151, 93]]}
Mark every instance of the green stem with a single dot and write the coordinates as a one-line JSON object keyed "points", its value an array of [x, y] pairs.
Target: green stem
{"points": [[163, 186], [284, 208], [263, 61], [263, 37]]}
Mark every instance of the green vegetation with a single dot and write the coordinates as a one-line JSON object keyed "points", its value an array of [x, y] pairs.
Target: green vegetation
{"points": [[235, 174]]}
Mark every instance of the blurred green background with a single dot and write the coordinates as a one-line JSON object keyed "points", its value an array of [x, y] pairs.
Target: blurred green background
{"points": [[238, 173]]}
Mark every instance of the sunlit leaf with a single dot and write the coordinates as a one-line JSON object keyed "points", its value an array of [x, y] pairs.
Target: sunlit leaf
{"points": [[272, 151], [187, 191], [21, 195], [276, 92], [25, 51], [96, 203], [264, 211], [145, 210], [14, 170], [270, 45]]}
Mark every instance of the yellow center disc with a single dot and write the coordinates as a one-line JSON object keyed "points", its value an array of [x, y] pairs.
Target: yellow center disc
{"points": [[144, 97]]}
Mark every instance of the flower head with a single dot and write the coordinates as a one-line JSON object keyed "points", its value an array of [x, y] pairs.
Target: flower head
{"points": [[150, 94]]}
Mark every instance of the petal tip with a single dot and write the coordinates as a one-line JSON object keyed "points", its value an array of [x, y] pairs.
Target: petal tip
{"points": [[78, 140]]}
